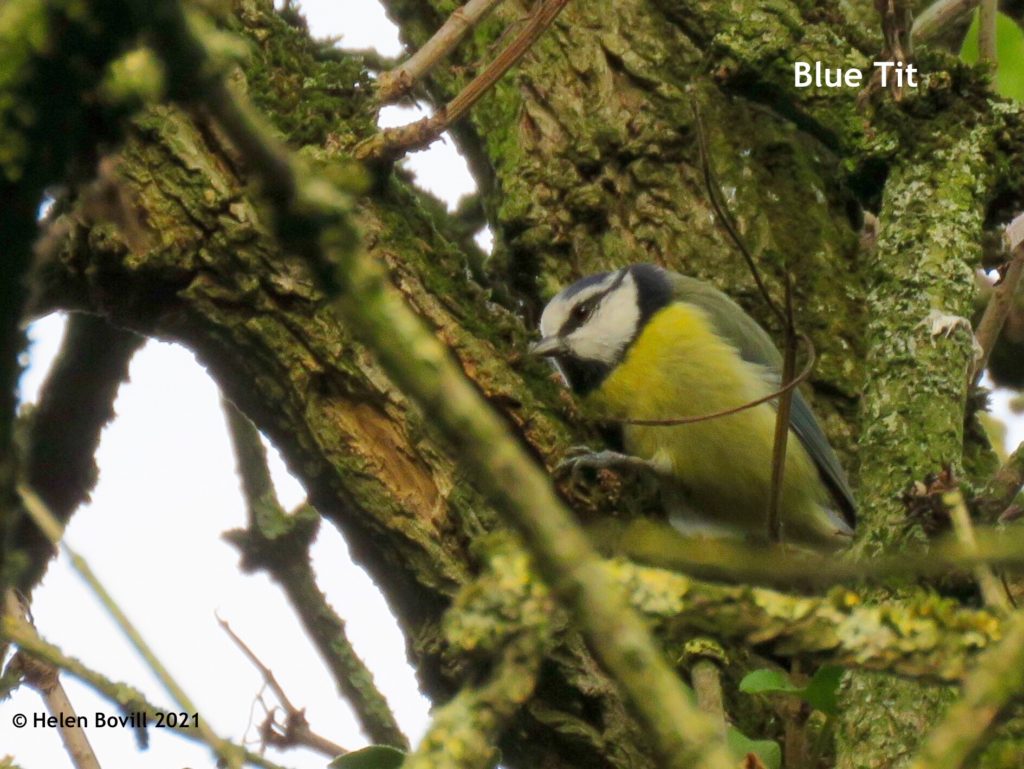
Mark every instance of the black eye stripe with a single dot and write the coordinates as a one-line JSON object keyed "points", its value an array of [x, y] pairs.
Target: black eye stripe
{"points": [[580, 314]]}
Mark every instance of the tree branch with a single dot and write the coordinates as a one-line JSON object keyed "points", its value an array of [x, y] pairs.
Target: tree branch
{"points": [[392, 142], [51, 527], [127, 697], [475, 718], [296, 727], [44, 678], [1000, 491], [396, 83], [35, 156], [76, 403], [785, 568], [999, 304], [994, 684], [937, 15], [279, 543]]}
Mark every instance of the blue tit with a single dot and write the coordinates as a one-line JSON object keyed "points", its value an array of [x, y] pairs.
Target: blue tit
{"points": [[644, 343]]}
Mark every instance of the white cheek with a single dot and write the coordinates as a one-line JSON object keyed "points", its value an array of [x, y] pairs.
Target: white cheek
{"points": [[593, 345], [605, 336]]}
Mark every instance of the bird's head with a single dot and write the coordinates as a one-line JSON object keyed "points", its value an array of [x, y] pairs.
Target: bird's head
{"points": [[587, 327]]}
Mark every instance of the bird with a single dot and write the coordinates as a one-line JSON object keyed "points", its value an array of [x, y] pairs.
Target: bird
{"points": [[646, 343]]}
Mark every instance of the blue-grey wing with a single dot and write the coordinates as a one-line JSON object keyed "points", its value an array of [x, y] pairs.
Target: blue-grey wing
{"points": [[755, 346]]}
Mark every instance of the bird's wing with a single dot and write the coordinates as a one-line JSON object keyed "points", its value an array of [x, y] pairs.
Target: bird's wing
{"points": [[755, 346]]}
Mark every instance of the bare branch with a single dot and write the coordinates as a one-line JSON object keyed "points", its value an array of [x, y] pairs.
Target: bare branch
{"points": [[296, 727], [987, 32], [127, 697], [999, 304], [992, 590], [706, 679], [44, 678], [393, 142], [937, 15], [293, 534], [395, 84], [51, 527]]}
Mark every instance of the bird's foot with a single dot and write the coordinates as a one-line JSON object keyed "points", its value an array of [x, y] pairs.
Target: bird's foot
{"points": [[579, 458]]}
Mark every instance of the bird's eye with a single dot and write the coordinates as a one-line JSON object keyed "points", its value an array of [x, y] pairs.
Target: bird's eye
{"points": [[582, 311]]}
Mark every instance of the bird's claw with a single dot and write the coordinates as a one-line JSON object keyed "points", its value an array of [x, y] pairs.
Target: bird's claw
{"points": [[579, 458]]}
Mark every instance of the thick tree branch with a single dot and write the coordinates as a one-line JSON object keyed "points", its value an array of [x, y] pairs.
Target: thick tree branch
{"points": [[45, 48], [920, 355], [76, 403]]}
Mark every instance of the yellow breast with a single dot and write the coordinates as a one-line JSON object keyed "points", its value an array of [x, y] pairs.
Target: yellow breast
{"points": [[679, 367]]}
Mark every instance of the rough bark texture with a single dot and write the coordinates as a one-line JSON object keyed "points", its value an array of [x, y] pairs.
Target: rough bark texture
{"points": [[587, 159]]}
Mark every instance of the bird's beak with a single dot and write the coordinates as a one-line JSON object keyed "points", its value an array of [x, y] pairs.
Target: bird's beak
{"points": [[547, 347]]}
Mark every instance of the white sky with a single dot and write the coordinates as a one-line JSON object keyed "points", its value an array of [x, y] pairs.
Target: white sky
{"points": [[167, 491]]}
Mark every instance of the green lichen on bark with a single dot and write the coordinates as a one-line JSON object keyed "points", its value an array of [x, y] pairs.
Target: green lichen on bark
{"points": [[931, 224], [919, 339]]}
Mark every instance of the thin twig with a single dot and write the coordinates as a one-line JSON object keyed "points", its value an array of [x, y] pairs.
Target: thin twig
{"points": [[992, 590], [45, 679], [774, 516], [781, 391], [128, 698], [393, 142], [296, 727], [999, 304], [395, 84], [724, 217], [294, 534], [51, 527], [785, 317], [937, 16], [996, 682], [987, 32]]}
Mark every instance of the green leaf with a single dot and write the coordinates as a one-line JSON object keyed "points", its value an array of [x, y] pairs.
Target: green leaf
{"points": [[767, 750], [820, 693], [768, 681], [1009, 53], [823, 690], [373, 757]]}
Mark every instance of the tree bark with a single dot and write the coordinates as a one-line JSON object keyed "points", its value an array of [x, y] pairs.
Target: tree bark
{"points": [[587, 157]]}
